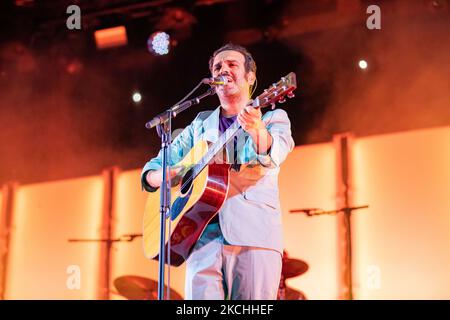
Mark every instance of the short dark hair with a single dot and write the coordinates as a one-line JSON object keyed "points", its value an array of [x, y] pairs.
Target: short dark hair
{"points": [[249, 65]]}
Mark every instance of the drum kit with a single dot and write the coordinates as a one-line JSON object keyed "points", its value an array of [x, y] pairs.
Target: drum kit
{"points": [[140, 288], [291, 268]]}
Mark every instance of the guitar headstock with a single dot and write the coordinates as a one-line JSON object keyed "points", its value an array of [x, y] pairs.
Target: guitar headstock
{"points": [[277, 92]]}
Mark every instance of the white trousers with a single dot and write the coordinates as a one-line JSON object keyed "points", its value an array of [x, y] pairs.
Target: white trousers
{"points": [[216, 270]]}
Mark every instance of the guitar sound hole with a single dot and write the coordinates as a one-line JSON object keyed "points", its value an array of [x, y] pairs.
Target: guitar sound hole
{"points": [[186, 182]]}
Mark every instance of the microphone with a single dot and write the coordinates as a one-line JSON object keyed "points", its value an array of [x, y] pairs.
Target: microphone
{"points": [[220, 80]]}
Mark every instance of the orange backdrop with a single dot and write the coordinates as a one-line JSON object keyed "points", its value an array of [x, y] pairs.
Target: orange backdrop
{"points": [[401, 244]]}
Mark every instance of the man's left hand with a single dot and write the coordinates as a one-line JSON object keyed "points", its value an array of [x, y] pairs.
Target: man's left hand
{"points": [[250, 119]]}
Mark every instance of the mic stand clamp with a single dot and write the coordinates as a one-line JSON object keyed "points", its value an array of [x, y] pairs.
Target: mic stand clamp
{"points": [[176, 109]]}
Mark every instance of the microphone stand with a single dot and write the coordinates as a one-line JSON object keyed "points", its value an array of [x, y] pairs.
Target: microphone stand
{"points": [[123, 238], [109, 242], [310, 212], [163, 123], [316, 211]]}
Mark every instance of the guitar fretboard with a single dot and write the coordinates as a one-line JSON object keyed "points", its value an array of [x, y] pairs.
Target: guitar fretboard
{"points": [[273, 94], [232, 131]]}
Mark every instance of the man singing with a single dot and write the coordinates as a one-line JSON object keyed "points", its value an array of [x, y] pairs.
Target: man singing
{"points": [[239, 254]]}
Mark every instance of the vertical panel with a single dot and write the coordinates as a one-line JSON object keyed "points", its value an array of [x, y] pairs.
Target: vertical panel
{"points": [[343, 144], [402, 242], [307, 180], [106, 232], [3, 242], [6, 211], [129, 257], [42, 263]]}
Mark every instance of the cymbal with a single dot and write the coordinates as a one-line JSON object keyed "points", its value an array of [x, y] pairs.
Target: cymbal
{"points": [[293, 267], [292, 294], [140, 288]]}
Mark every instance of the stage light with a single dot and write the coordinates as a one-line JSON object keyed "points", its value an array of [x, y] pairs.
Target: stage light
{"points": [[74, 66], [111, 37], [159, 43], [24, 3], [137, 97], [363, 64]]}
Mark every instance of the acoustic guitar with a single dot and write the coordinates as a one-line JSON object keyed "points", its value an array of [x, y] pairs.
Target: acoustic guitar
{"points": [[201, 188]]}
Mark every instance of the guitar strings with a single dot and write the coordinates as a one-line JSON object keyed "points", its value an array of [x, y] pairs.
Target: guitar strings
{"points": [[210, 154]]}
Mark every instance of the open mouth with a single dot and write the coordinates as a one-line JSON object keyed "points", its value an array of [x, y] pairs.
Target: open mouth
{"points": [[229, 78]]}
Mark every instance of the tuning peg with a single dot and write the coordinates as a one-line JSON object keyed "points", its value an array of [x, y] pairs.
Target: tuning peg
{"points": [[290, 95], [282, 100], [273, 105]]}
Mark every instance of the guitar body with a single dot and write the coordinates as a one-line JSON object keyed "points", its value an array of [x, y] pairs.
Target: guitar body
{"points": [[194, 204]]}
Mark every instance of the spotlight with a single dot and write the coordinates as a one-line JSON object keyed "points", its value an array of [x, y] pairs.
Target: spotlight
{"points": [[111, 37], [363, 64], [159, 43], [24, 3], [137, 97], [74, 66]]}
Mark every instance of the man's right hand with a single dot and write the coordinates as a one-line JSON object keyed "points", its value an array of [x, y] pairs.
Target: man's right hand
{"points": [[154, 178]]}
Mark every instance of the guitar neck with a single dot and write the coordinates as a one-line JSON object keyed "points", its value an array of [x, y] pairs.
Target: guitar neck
{"points": [[275, 93], [232, 131]]}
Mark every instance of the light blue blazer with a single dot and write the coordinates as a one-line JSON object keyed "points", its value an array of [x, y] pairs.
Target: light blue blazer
{"points": [[251, 214]]}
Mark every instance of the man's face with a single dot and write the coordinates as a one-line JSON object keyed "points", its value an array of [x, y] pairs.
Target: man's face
{"points": [[231, 64]]}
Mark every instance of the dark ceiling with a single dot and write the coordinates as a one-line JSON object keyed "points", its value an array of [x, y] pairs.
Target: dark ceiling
{"points": [[66, 105]]}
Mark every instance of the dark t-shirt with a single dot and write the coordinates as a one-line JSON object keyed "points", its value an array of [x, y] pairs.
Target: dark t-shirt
{"points": [[224, 124]]}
